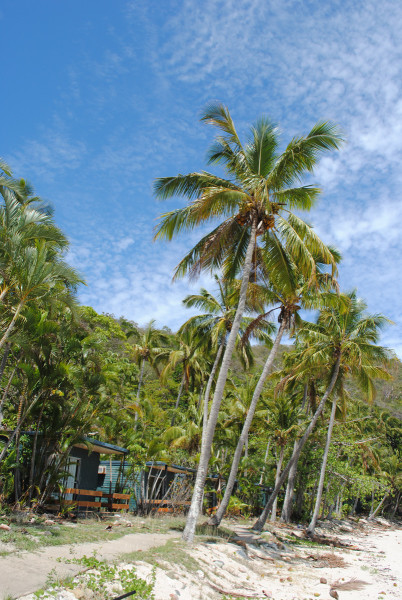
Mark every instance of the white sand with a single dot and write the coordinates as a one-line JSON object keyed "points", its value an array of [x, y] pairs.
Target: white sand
{"points": [[290, 572]]}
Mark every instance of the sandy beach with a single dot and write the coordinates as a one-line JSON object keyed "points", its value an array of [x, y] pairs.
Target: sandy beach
{"points": [[349, 560]]}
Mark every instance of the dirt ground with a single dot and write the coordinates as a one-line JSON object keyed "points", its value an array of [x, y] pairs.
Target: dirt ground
{"points": [[350, 560]]}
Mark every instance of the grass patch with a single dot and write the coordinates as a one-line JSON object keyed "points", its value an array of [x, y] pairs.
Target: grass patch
{"points": [[214, 533], [171, 552], [29, 536]]}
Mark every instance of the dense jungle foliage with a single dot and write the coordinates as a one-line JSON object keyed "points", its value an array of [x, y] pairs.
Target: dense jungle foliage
{"points": [[67, 372]]}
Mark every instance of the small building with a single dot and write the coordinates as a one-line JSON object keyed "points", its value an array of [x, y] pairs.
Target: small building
{"points": [[83, 465]]}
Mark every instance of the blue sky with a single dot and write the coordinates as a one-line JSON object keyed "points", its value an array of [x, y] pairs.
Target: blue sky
{"points": [[99, 98]]}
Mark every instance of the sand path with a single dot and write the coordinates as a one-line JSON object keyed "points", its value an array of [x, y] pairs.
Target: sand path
{"points": [[27, 572]]}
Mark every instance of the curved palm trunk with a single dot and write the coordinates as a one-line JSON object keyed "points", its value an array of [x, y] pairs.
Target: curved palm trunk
{"points": [[176, 406], [277, 476], [259, 524], [217, 518], [313, 523], [189, 530], [11, 325]]}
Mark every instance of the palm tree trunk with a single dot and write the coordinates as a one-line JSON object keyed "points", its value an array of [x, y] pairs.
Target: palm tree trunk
{"points": [[217, 518], [34, 446], [4, 359], [176, 406], [277, 476], [5, 394], [396, 506], [287, 503], [355, 505], [189, 530], [259, 524], [138, 392], [313, 522], [200, 395], [209, 386], [265, 462], [373, 514], [11, 325], [141, 378]]}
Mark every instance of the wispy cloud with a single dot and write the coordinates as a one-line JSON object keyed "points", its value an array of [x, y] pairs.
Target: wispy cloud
{"points": [[129, 109]]}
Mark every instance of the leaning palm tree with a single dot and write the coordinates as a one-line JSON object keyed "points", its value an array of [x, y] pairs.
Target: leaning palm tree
{"points": [[361, 358], [285, 290], [214, 325], [339, 342], [255, 202]]}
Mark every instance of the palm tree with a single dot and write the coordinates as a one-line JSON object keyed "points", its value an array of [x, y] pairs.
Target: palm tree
{"points": [[150, 347], [286, 288], [356, 333], [256, 201], [189, 357], [38, 276], [215, 324], [342, 349]]}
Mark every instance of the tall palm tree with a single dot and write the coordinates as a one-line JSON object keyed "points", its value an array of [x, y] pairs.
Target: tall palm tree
{"points": [[352, 346], [289, 291], [357, 334], [255, 202]]}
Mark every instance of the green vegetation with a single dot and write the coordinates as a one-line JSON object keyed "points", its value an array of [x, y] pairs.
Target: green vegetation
{"points": [[221, 392]]}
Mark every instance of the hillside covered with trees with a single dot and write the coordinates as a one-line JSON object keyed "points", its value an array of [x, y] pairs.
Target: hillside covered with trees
{"points": [[315, 424]]}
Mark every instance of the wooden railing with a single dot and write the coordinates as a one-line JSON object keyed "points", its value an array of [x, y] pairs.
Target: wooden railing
{"points": [[113, 501]]}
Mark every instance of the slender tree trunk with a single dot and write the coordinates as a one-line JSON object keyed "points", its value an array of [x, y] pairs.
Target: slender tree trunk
{"points": [[355, 505], [396, 506], [208, 389], [176, 406], [5, 394], [189, 530], [288, 501], [259, 524], [200, 398], [217, 518], [33, 457], [313, 522], [4, 359], [378, 507], [265, 462], [17, 484], [277, 476], [138, 392], [16, 431], [11, 325], [141, 378]]}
